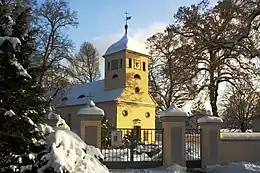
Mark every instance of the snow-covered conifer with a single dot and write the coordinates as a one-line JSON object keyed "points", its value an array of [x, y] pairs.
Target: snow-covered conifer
{"points": [[20, 94]]}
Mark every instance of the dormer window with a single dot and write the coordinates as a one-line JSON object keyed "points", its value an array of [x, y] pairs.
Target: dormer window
{"points": [[64, 99], [114, 76], [81, 96], [137, 76]]}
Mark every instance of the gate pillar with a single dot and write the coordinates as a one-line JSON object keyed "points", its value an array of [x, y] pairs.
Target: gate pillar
{"points": [[90, 118], [210, 137], [173, 123]]}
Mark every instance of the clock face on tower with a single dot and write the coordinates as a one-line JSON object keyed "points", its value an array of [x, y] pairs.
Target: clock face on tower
{"points": [[137, 64]]}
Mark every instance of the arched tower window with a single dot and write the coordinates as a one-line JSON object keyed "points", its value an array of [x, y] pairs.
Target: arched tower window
{"points": [[137, 76], [114, 76]]}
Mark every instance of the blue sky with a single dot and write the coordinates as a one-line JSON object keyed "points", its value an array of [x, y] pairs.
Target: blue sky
{"points": [[101, 22], [101, 18]]}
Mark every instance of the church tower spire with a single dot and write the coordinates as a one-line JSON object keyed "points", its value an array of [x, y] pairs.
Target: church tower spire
{"points": [[126, 19]]}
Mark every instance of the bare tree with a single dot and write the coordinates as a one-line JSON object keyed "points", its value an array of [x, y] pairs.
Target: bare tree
{"points": [[168, 83], [56, 78], [240, 105], [220, 43], [198, 104], [53, 18], [84, 66]]}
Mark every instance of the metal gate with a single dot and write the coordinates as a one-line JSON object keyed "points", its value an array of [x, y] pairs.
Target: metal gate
{"points": [[193, 148], [134, 148]]}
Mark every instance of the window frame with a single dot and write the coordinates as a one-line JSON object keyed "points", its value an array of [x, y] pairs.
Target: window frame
{"points": [[108, 66], [113, 66], [121, 63], [144, 66], [130, 63]]}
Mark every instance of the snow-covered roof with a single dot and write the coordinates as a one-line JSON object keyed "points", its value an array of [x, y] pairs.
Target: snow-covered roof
{"points": [[78, 94], [127, 43], [173, 110], [210, 119], [90, 109]]}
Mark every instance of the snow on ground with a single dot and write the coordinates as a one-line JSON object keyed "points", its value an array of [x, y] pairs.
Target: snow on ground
{"points": [[239, 167], [172, 169]]}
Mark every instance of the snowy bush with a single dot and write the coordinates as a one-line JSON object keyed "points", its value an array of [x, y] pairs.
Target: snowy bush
{"points": [[62, 151], [66, 152]]}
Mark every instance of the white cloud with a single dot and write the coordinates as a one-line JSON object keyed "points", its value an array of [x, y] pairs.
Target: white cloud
{"points": [[138, 34]]}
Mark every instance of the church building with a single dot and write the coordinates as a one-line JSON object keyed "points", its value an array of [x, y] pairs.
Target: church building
{"points": [[123, 94]]}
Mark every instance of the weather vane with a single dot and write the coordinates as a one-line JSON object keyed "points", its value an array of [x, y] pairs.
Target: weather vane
{"points": [[126, 19]]}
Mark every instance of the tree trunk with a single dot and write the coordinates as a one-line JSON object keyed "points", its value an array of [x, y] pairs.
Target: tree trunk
{"points": [[213, 106], [243, 127], [213, 94]]}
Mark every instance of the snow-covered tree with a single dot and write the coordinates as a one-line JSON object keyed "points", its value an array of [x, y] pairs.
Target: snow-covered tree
{"points": [[20, 94]]}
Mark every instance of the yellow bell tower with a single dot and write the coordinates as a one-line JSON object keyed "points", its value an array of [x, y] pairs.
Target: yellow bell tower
{"points": [[126, 66]]}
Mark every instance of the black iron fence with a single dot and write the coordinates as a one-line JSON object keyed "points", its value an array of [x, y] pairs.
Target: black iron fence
{"points": [[193, 148], [138, 147]]}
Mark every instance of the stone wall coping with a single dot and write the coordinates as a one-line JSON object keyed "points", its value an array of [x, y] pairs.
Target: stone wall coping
{"points": [[238, 136]]}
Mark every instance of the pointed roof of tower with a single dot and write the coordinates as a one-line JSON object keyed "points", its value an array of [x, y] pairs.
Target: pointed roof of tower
{"points": [[127, 43]]}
